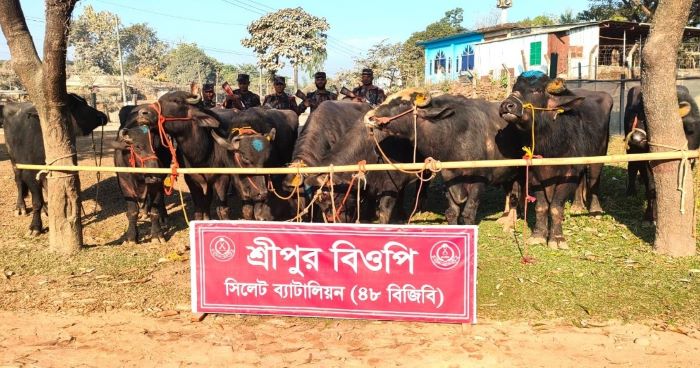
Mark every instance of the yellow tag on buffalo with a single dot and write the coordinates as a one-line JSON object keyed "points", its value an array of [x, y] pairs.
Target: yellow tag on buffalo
{"points": [[296, 181], [168, 182]]}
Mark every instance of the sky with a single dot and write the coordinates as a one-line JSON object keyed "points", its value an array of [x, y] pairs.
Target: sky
{"points": [[217, 26]]}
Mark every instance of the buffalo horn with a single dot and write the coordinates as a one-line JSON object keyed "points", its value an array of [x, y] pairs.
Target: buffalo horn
{"points": [[193, 99], [422, 99]]}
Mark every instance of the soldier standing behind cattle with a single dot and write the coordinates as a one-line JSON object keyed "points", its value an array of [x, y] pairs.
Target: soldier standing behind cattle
{"points": [[246, 97], [280, 100], [368, 91], [208, 96], [313, 99]]}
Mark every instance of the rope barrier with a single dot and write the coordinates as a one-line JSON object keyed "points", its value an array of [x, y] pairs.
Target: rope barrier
{"points": [[557, 161]]}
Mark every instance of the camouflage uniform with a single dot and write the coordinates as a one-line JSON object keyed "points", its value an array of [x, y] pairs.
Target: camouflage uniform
{"points": [[372, 93], [316, 97], [281, 101], [248, 98]]}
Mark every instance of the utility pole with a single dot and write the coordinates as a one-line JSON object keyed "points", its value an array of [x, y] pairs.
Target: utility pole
{"points": [[121, 64], [504, 5], [260, 93]]}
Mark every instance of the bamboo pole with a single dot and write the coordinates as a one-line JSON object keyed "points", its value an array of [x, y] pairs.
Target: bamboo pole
{"points": [[656, 156]]}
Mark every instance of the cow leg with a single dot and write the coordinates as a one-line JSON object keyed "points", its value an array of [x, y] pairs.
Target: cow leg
{"points": [[581, 192], [562, 191], [201, 205], [541, 230], [262, 211], [156, 199], [456, 196], [387, 206], [221, 187], [632, 169], [21, 209], [248, 210], [37, 204], [132, 215], [594, 175], [510, 210], [470, 207]]}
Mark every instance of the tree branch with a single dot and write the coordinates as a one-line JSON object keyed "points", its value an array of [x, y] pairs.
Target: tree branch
{"points": [[641, 6], [25, 60]]}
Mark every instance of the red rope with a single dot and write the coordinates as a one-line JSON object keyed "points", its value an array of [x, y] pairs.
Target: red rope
{"points": [[165, 138], [133, 156]]}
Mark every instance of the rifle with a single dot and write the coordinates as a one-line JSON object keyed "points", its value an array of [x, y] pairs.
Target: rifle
{"points": [[301, 95], [346, 92]]}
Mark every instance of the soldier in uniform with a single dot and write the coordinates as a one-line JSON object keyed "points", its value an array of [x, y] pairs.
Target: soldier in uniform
{"points": [[367, 90], [208, 96], [313, 99], [246, 97], [280, 99]]}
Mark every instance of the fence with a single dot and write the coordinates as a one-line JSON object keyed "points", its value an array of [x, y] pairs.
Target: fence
{"points": [[618, 90]]}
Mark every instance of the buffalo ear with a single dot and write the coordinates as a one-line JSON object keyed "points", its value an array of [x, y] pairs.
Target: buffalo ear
{"points": [[684, 108], [224, 143], [207, 121], [566, 103], [436, 112], [271, 135]]}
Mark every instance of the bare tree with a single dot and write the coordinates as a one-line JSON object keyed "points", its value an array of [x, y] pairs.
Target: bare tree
{"points": [[45, 81], [675, 234]]}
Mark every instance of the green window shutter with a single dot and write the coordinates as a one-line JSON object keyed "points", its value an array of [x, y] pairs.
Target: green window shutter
{"points": [[536, 53]]}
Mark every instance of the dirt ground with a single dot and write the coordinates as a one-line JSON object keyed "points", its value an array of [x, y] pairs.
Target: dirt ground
{"points": [[133, 311], [126, 339]]}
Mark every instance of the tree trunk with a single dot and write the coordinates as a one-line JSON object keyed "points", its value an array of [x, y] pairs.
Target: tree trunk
{"points": [[296, 77], [46, 84], [674, 230], [66, 231]]}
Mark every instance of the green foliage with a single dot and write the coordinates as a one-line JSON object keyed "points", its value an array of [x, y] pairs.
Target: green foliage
{"points": [[187, 63], [383, 58], [289, 33], [93, 36], [627, 10], [144, 52], [538, 21], [567, 17], [412, 56]]}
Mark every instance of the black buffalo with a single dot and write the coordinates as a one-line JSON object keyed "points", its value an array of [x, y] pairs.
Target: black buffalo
{"points": [[25, 145], [637, 141], [382, 190], [139, 145], [324, 128], [566, 124], [453, 128], [259, 137], [193, 127]]}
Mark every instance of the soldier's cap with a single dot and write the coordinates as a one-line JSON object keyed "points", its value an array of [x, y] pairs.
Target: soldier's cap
{"points": [[243, 78], [320, 75], [279, 80], [207, 87], [367, 71]]}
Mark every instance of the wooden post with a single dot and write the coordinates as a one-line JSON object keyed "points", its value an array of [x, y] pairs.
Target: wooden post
{"points": [[522, 54], [622, 103]]}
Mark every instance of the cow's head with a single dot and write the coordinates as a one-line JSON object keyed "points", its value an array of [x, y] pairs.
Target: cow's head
{"points": [[395, 114], [548, 97], [181, 109], [139, 144], [248, 149], [690, 115], [84, 117]]}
